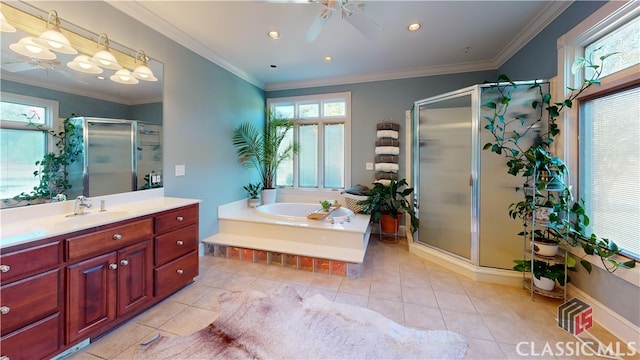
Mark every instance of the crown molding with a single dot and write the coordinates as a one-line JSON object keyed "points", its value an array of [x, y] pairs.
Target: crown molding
{"points": [[539, 23], [383, 75], [148, 18], [542, 20]]}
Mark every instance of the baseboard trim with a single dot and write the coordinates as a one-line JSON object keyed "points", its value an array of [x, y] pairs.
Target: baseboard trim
{"points": [[462, 267], [611, 321], [604, 316]]}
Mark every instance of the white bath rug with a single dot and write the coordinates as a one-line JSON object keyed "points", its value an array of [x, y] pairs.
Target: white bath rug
{"points": [[252, 325]]}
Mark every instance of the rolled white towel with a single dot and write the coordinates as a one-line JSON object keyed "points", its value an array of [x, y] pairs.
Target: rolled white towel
{"points": [[387, 134], [387, 150], [387, 167], [384, 182]]}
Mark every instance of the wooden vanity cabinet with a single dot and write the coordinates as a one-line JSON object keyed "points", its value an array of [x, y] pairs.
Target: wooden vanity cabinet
{"points": [[31, 301], [109, 286], [57, 292], [176, 246]]}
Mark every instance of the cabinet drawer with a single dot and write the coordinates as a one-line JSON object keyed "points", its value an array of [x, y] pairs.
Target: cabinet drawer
{"points": [[176, 219], [175, 244], [30, 299], [17, 264], [36, 341], [109, 239], [176, 274]]}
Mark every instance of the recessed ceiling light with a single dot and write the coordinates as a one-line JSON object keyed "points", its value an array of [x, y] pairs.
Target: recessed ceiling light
{"points": [[413, 27], [273, 34], [328, 58]]}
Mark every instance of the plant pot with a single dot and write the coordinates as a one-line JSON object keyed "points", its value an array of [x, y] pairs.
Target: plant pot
{"points": [[268, 196], [543, 213], [253, 202], [545, 248], [544, 283], [390, 225]]}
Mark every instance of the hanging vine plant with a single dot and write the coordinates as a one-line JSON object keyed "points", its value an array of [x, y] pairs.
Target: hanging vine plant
{"points": [[52, 169], [550, 171]]}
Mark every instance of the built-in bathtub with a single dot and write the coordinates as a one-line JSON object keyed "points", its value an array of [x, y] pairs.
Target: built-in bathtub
{"points": [[298, 212], [283, 228]]}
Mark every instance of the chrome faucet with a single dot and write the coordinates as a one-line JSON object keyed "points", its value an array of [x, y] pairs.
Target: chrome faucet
{"points": [[81, 203]]}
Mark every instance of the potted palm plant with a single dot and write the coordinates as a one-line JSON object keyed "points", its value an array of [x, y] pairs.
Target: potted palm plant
{"points": [[387, 204], [265, 149]]}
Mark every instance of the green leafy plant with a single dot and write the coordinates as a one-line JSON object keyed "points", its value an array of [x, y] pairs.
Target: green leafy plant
{"points": [[52, 169], [390, 200], [262, 148], [543, 171], [326, 205], [546, 269], [253, 190]]}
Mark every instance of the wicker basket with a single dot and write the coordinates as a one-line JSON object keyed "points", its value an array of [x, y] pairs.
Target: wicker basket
{"points": [[351, 201]]}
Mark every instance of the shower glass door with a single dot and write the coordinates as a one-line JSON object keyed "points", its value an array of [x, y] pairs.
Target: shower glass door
{"points": [[110, 157], [444, 156]]}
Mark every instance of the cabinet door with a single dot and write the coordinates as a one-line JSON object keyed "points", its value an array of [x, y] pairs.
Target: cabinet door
{"points": [[135, 271], [91, 295]]}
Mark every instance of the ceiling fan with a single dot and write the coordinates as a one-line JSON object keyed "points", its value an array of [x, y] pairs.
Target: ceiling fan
{"points": [[350, 11]]}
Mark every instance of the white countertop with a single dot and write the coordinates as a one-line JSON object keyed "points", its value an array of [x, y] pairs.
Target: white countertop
{"points": [[35, 222]]}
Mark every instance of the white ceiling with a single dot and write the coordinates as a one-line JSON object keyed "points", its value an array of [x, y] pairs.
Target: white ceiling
{"points": [[456, 36]]}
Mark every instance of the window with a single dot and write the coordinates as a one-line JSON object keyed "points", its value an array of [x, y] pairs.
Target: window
{"points": [[21, 144], [323, 126], [606, 151]]}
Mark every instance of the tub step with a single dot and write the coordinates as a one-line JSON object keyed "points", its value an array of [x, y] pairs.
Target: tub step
{"points": [[350, 255]]}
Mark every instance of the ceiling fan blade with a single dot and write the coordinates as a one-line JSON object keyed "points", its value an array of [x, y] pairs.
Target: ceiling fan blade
{"points": [[317, 25], [356, 17], [17, 66]]}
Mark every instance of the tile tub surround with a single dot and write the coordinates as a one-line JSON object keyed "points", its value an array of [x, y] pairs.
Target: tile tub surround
{"points": [[34, 222], [240, 226]]}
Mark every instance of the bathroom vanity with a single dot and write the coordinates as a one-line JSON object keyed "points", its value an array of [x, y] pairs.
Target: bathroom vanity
{"points": [[60, 287]]}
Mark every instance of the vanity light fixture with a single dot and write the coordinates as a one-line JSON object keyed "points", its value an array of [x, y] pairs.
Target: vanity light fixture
{"points": [[414, 27], [83, 64], [27, 47], [53, 39], [123, 76], [4, 24], [104, 58], [143, 72]]}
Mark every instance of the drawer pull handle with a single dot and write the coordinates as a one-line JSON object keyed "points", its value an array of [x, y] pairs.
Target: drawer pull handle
{"points": [[5, 310], [4, 269], [117, 236], [179, 242], [180, 218], [180, 271], [124, 262], [113, 266]]}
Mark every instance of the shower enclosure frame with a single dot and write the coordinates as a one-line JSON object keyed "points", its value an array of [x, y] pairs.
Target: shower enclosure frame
{"points": [[507, 244]]}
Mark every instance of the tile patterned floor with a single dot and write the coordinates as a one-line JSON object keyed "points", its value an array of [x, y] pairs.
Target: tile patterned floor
{"points": [[395, 283]]}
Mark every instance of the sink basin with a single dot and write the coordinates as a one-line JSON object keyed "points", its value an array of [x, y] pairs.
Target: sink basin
{"points": [[90, 218]]}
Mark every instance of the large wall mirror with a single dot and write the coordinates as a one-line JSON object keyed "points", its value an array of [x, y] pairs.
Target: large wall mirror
{"points": [[90, 96]]}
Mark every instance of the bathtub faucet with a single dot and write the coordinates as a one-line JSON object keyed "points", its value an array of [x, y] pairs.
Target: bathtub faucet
{"points": [[81, 203]]}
